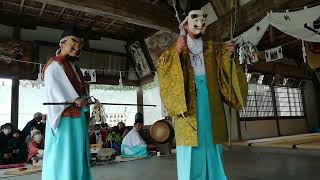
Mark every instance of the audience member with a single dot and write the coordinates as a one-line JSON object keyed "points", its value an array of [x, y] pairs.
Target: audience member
{"points": [[98, 135], [114, 140], [17, 147], [34, 128], [5, 136], [133, 144], [37, 117], [35, 148], [123, 130]]}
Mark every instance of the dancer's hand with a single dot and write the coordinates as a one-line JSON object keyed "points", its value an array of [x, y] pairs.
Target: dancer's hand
{"points": [[231, 46], [181, 44], [80, 102]]}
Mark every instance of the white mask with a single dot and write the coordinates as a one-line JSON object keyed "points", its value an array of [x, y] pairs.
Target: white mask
{"points": [[38, 138], [197, 22], [6, 131]]}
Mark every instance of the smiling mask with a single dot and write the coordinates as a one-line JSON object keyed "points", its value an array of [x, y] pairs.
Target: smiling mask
{"points": [[197, 22]]}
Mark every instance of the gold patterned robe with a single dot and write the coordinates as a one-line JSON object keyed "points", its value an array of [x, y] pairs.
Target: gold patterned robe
{"points": [[177, 90]]}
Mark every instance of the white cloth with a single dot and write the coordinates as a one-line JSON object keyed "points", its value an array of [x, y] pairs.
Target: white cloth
{"points": [[57, 89], [195, 47], [133, 139], [255, 33], [292, 23]]}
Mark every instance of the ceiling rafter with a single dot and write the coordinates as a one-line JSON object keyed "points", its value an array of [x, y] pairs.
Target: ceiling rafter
{"points": [[21, 6], [42, 8]]}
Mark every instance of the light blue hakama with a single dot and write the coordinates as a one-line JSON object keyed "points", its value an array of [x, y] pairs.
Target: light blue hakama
{"points": [[136, 151], [203, 162], [67, 150]]}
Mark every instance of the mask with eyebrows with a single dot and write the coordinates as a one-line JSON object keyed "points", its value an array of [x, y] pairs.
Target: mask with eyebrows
{"points": [[197, 22], [71, 46]]}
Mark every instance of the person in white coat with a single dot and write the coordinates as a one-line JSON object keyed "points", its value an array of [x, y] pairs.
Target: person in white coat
{"points": [[133, 145]]}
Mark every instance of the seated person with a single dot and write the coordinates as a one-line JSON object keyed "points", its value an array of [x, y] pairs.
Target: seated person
{"points": [[17, 147], [35, 148], [37, 117], [5, 136], [123, 130], [114, 140], [105, 126], [133, 145], [98, 135], [34, 129]]}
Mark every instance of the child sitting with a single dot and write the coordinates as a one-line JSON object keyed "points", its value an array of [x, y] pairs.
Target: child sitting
{"points": [[35, 148]]}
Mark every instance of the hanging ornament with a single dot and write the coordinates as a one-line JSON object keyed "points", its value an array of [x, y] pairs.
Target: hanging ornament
{"points": [[120, 80], [98, 115], [248, 54], [304, 53]]}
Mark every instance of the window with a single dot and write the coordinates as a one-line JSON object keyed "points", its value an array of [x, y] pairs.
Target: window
{"points": [[259, 102], [116, 94], [289, 101], [151, 95], [5, 102], [31, 98]]}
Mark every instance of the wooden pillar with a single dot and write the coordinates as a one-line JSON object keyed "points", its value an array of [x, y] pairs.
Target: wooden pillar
{"points": [[305, 110], [15, 101], [239, 126], [140, 99], [275, 110], [16, 33]]}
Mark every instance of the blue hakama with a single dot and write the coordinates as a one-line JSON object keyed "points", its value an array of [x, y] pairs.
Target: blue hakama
{"points": [[203, 162], [67, 150]]}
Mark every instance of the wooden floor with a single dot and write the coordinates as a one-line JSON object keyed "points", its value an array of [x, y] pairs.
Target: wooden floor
{"points": [[301, 141]]}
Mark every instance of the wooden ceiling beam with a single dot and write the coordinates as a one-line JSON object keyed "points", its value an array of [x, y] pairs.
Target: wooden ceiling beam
{"points": [[221, 7], [135, 12], [42, 8], [29, 22], [278, 68], [21, 6], [110, 24], [61, 12]]}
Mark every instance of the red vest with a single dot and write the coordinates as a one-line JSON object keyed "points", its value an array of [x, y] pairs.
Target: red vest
{"points": [[71, 111]]}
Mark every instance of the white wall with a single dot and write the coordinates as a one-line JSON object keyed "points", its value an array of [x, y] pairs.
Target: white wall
{"points": [[5, 31], [152, 114], [41, 34], [109, 45]]}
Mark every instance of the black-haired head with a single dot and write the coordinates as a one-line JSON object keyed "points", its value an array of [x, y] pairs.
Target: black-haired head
{"points": [[138, 118], [71, 31]]}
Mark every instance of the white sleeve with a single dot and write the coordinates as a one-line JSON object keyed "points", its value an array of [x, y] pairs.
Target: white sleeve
{"points": [[133, 139], [58, 88]]}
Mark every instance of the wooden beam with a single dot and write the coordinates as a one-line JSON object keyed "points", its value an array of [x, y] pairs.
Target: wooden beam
{"points": [[110, 24], [42, 9], [278, 68], [32, 22], [21, 7], [248, 15], [134, 12], [221, 7], [61, 12], [16, 33], [140, 99], [15, 101]]}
